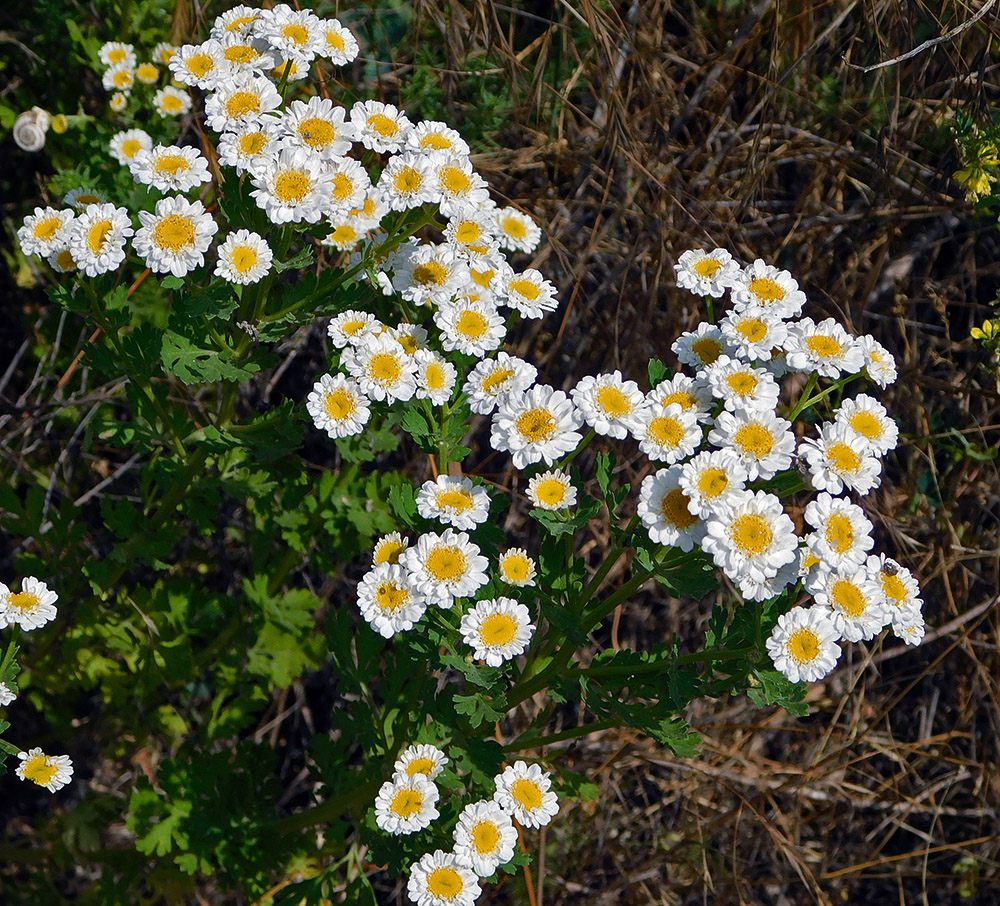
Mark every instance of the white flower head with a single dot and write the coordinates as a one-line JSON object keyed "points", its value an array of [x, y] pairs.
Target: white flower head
{"points": [[407, 181], [114, 53], [825, 348], [498, 630], [339, 44], [471, 233], [381, 127], [237, 21], [740, 386], [667, 433], [528, 292], [469, 326], [700, 347], [45, 231], [442, 879], [170, 101], [517, 231], [842, 536], [244, 258], [691, 394], [762, 288], [551, 490], [174, 238], [457, 186], [351, 328], [840, 459], [164, 51], [909, 626], [319, 126], [446, 566], [203, 65], [485, 837], [247, 55], [706, 273], [540, 425], [763, 441], [454, 500], [405, 804], [431, 137], [854, 600], [147, 73], [803, 644], [390, 600], [30, 608], [664, 510], [867, 418], [50, 771], [247, 146], [879, 363], [169, 168], [899, 586], [241, 100], [118, 102], [119, 78], [516, 567], [382, 368], [291, 187], [80, 198], [7, 695], [292, 33], [420, 759], [389, 548], [525, 794], [338, 406], [754, 335], [124, 145], [712, 480], [609, 404], [97, 240], [436, 377], [493, 379], [428, 274]]}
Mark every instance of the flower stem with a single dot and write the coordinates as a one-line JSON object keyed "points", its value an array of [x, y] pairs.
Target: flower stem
{"points": [[528, 741]]}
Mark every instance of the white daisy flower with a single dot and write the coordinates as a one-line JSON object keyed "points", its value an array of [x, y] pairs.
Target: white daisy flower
{"points": [[293, 33], [843, 533], [405, 805], [390, 600], [854, 600], [492, 379], [899, 587], [370, 211], [752, 538], [867, 418], [293, 186], [485, 837], [428, 274], [382, 369], [516, 567], [237, 21], [430, 137], [339, 45], [840, 459], [764, 443], [7, 695], [62, 261], [453, 500], [337, 406], [879, 363], [457, 186], [517, 231], [762, 288], [712, 480], [700, 347], [765, 589], [910, 627], [239, 100], [754, 336], [539, 425], [551, 490], [118, 102], [318, 126], [471, 234], [248, 145], [442, 879], [446, 566], [498, 630], [124, 145], [164, 51], [169, 168], [436, 377], [45, 231], [50, 771], [247, 55], [78, 199], [420, 759], [291, 68], [114, 53], [119, 78], [667, 433], [147, 73], [170, 101], [203, 65], [525, 794], [740, 386], [389, 548], [345, 233], [174, 238], [803, 644], [30, 608], [706, 273], [412, 337], [381, 127], [474, 328], [407, 181], [528, 293], [609, 404], [244, 258], [665, 512], [691, 394], [97, 240], [351, 328], [825, 348]]}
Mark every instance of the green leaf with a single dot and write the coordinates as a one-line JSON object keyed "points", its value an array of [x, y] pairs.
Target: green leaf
{"points": [[658, 373], [769, 687], [298, 262], [281, 657], [403, 500], [559, 522], [478, 708], [199, 365]]}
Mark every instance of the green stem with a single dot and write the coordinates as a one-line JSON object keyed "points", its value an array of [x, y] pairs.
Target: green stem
{"points": [[804, 397], [537, 741], [9, 747], [569, 457], [710, 305], [11, 651], [329, 810], [657, 666]]}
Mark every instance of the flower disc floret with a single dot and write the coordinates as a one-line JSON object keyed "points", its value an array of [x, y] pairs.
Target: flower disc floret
{"points": [[174, 238], [803, 644], [390, 600], [446, 566], [406, 804], [442, 879], [498, 629], [706, 273], [485, 837], [453, 500], [30, 608], [540, 425], [337, 406], [524, 793]]}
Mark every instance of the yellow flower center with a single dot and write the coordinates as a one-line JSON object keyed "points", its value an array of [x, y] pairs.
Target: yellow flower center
{"points": [[296, 33], [613, 402], [707, 267], [97, 235], [433, 273], [65, 260], [515, 567], [240, 23], [407, 180], [174, 233], [514, 227], [130, 147], [848, 597], [243, 259], [116, 56], [340, 404], [485, 837], [895, 590], [420, 766], [445, 883], [408, 342], [453, 180], [866, 424], [445, 563], [674, 509], [843, 458], [434, 376], [682, 398], [292, 186], [468, 232], [390, 597], [707, 349], [384, 367], [551, 492], [406, 803], [526, 793], [122, 79], [343, 234], [712, 482], [742, 383], [83, 200], [498, 629], [839, 534], [752, 330], [38, 770], [456, 499], [382, 125], [755, 439], [46, 229], [23, 601], [751, 533], [171, 164], [240, 54], [665, 431], [434, 141], [200, 64], [471, 324], [171, 103], [253, 143], [241, 104], [766, 290], [483, 278], [353, 328], [803, 646], [536, 425], [497, 379], [316, 132], [335, 40], [524, 288], [824, 347], [389, 552]]}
